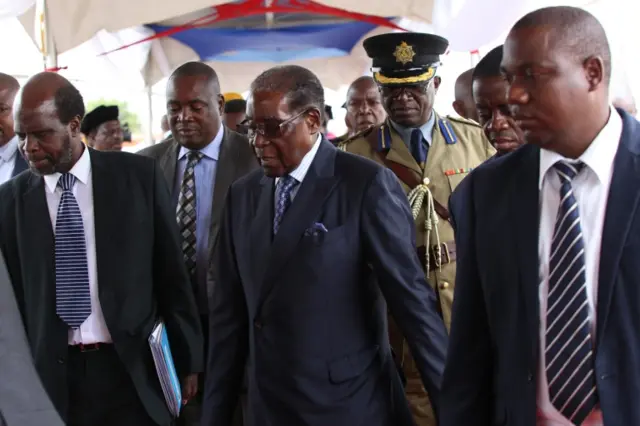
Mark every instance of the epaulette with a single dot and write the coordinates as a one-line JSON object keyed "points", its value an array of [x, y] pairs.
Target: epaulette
{"points": [[463, 121], [362, 134]]}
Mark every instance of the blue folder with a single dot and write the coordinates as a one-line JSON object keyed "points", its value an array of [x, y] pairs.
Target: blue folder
{"points": [[161, 352]]}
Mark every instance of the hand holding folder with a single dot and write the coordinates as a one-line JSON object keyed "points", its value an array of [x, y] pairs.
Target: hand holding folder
{"points": [[161, 352]]}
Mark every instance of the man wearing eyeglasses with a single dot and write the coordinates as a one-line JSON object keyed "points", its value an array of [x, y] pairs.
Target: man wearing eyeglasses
{"points": [[309, 250], [102, 128], [430, 155], [200, 160]]}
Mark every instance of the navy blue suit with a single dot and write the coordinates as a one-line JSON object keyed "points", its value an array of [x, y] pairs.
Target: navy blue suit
{"points": [[491, 371], [304, 312], [20, 165]]}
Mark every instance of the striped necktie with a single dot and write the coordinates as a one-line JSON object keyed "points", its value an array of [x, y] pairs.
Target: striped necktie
{"points": [[283, 199], [186, 212], [73, 299], [569, 348]]}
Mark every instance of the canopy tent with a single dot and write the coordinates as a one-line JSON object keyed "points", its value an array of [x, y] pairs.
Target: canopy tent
{"points": [[238, 68], [326, 41], [90, 16]]}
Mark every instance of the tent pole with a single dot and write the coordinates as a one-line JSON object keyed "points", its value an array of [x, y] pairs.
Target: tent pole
{"points": [[45, 37], [150, 109]]}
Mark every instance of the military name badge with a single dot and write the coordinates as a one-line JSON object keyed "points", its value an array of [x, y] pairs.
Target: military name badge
{"points": [[404, 53]]}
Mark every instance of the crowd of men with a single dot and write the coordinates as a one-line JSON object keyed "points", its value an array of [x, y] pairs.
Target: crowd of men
{"points": [[419, 270]]}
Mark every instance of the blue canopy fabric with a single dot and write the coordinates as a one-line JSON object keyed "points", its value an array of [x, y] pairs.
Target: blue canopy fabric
{"points": [[272, 45]]}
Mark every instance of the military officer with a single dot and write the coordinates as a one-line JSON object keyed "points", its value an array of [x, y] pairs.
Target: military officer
{"points": [[430, 155]]}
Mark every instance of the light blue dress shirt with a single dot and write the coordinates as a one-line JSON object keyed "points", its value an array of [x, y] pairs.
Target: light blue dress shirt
{"points": [[205, 176], [426, 129]]}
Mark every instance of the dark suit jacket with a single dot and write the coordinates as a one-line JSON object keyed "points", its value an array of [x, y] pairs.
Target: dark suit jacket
{"points": [[491, 371], [23, 400], [141, 273], [304, 310], [20, 164], [236, 160]]}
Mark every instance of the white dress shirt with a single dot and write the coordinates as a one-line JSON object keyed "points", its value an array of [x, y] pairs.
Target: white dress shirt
{"points": [[94, 328], [8, 154], [591, 189], [301, 171]]}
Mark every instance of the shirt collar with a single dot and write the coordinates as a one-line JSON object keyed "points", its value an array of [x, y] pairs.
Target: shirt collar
{"points": [[426, 129], [301, 171], [212, 150], [81, 170], [8, 151], [600, 154]]}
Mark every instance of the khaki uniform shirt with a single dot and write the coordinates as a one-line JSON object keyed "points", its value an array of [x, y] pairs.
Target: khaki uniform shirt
{"points": [[457, 146]]}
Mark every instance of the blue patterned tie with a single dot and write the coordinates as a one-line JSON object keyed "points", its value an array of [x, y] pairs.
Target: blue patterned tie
{"points": [[283, 200], [418, 146], [569, 351], [73, 300]]}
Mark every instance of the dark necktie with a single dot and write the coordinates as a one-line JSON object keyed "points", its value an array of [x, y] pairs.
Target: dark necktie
{"points": [[186, 212], [73, 299], [569, 352], [283, 199], [418, 146]]}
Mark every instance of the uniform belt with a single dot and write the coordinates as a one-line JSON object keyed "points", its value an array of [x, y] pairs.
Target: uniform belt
{"points": [[447, 255]]}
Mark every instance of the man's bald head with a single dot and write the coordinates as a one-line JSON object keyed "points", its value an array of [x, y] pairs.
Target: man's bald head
{"points": [[361, 83], [48, 113], [194, 105], [198, 69], [558, 64], [464, 104], [364, 105], [50, 86], [9, 86], [575, 32]]}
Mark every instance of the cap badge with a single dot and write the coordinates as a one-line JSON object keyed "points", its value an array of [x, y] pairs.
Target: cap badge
{"points": [[404, 53]]}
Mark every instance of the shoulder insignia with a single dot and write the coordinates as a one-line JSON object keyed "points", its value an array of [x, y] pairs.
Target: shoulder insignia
{"points": [[463, 121], [447, 131], [362, 134], [383, 138]]}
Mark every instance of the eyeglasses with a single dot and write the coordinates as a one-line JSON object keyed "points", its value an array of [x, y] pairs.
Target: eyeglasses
{"points": [[269, 128], [413, 89]]}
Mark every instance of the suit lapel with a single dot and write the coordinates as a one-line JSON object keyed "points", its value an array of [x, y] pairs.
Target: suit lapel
{"points": [[261, 228], [314, 190], [168, 164], [621, 209], [38, 239], [225, 173], [107, 193], [524, 205]]}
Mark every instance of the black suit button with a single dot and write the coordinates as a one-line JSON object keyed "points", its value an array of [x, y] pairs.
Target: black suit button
{"points": [[257, 324], [530, 378], [60, 360]]}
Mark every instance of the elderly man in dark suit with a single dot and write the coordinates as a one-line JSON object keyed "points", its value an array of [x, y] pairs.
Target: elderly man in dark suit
{"points": [[23, 400], [296, 301], [200, 160], [11, 162], [546, 330], [91, 246]]}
